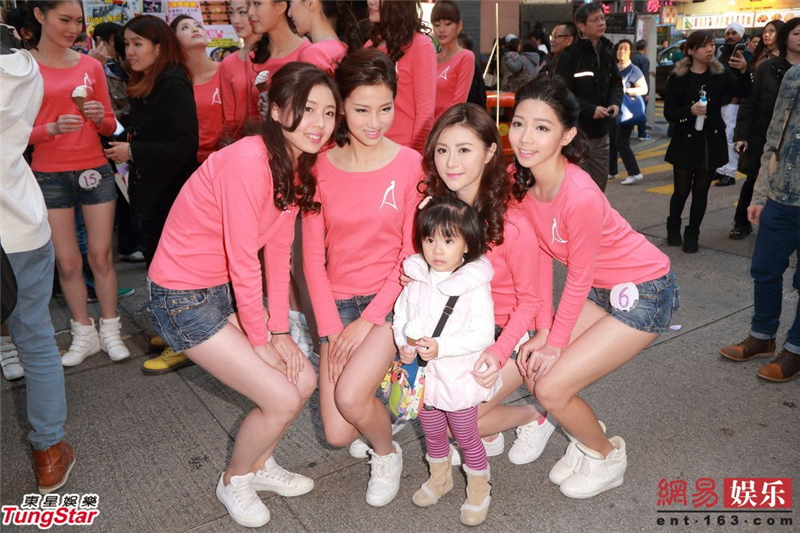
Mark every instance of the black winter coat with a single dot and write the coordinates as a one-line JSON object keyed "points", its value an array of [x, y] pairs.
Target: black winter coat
{"points": [[593, 76], [164, 137], [706, 149], [755, 112]]}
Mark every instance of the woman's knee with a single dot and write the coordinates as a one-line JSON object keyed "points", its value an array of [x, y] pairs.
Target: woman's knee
{"points": [[70, 268], [350, 403], [307, 383], [549, 395], [101, 262]]}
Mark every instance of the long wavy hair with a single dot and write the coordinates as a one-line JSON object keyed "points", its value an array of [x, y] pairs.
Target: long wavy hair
{"points": [[777, 24], [289, 92], [171, 54], [400, 21], [554, 93], [494, 193], [261, 48], [346, 24]]}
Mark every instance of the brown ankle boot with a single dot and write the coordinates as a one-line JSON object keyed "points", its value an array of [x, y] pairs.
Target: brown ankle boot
{"points": [[439, 484], [53, 466], [476, 506], [783, 368], [748, 349]]}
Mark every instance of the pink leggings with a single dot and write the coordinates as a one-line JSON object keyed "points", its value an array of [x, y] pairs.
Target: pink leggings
{"points": [[464, 426]]}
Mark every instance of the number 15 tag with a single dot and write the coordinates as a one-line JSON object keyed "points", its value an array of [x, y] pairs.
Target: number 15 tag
{"points": [[624, 296]]}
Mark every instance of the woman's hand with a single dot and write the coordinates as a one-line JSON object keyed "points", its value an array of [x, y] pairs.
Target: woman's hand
{"points": [[269, 355], [94, 111], [348, 340], [699, 110], [427, 348], [486, 377], [118, 152], [544, 359], [407, 354], [740, 147], [524, 360], [65, 124], [290, 354]]}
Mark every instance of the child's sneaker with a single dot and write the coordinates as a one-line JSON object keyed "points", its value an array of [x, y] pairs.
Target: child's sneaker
{"points": [[565, 466], [384, 479], [274, 478], [594, 473], [242, 502], [531, 440]]}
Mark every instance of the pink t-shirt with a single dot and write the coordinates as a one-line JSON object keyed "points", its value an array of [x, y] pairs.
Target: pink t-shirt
{"points": [[208, 101], [235, 94], [580, 229], [356, 244], [223, 216], [454, 81], [326, 54], [79, 150], [271, 65], [416, 93]]}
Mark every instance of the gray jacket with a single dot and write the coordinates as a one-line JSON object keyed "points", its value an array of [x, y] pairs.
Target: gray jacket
{"points": [[779, 177]]}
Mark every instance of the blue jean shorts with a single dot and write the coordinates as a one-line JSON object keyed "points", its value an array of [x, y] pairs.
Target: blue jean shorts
{"points": [[351, 309], [188, 318], [659, 300], [63, 190], [498, 330]]}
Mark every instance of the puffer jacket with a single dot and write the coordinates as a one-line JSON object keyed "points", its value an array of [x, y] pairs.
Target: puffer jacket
{"points": [[756, 112], [519, 69], [449, 384]]}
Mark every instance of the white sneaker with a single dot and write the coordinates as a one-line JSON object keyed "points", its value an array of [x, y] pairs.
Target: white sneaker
{"points": [[111, 341], [360, 447], [242, 502], [531, 440], [85, 342], [493, 449], [298, 329], [630, 180], [384, 479], [612, 177], [565, 466], [274, 478], [12, 370], [595, 473]]}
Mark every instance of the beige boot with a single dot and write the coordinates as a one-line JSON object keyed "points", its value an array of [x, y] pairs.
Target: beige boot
{"points": [[439, 484], [476, 507]]}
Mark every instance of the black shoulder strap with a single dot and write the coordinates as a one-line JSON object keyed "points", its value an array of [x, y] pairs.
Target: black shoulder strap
{"points": [[448, 310]]}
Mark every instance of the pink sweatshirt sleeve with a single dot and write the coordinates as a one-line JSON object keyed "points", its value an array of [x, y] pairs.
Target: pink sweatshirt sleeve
{"points": [[581, 220], [39, 135], [423, 58], [466, 71], [277, 256], [228, 95], [319, 285], [544, 320]]}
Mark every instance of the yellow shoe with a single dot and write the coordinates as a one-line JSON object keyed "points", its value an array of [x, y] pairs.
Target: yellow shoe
{"points": [[157, 344], [168, 361]]}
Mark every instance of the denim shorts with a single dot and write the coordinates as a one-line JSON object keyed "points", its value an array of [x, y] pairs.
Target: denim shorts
{"points": [[498, 330], [658, 301], [188, 318], [351, 309], [62, 190]]}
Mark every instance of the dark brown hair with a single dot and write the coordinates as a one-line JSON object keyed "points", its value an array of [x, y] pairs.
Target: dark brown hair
{"points": [[777, 24], [445, 10], [177, 20], [34, 26], [450, 217], [783, 35], [171, 54], [346, 25], [494, 192], [289, 91], [696, 39], [261, 48], [400, 21]]}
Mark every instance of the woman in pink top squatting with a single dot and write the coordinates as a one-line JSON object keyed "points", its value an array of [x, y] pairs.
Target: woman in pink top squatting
{"points": [[331, 25], [397, 30], [455, 65], [620, 293], [352, 252], [72, 171], [242, 199], [463, 160], [234, 74]]}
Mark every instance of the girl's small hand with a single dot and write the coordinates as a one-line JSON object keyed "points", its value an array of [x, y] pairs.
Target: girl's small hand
{"points": [[94, 111], [404, 280], [65, 124], [349, 340], [486, 377], [291, 356], [427, 348], [407, 354], [699, 110], [544, 359], [118, 152]]}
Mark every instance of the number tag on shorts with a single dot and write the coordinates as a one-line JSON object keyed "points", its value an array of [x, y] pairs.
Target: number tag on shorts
{"points": [[89, 179], [624, 296]]}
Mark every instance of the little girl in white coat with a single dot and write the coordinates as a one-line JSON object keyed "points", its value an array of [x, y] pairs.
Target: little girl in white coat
{"points": [[451, 238]]}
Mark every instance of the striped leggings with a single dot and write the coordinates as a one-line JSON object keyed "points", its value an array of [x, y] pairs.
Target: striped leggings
{"points": [[464, 426]]}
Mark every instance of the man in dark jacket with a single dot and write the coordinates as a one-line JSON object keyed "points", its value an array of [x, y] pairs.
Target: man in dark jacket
{"points": [[589, 69], [563, 36]]}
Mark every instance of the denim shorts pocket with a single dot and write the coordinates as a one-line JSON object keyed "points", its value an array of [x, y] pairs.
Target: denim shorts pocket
{"points": [[177, 302]]}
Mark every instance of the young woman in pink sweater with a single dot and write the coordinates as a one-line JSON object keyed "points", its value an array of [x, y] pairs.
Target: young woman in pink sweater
{"points": [[242, 199], [620, 293], [397, 30], [455, 65], [72, 171], [352, 252], [331, 26]]}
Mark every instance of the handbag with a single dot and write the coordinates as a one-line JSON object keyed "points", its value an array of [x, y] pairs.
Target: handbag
{"points": [[9, 287], [632, 111], [403, 386]]}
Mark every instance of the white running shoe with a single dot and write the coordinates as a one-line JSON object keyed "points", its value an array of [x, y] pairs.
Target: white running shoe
{"points": [[111, 339], [565, 466], [531, 440], [12, 369], [359, 448], [384, 479], [630, 180], [242, 502], [298, 329], [85, 342], [594, 473], [274, 478], [493, 449]]}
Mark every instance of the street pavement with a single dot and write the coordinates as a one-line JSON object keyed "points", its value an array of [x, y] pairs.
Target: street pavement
{"points": [[152, 448]]}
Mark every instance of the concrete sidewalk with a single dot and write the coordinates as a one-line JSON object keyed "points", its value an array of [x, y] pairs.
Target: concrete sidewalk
{"points": [[152, 448]]}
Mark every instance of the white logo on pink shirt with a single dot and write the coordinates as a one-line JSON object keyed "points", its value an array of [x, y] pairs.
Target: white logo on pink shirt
{"points": [[443, 75], [388, 197], [555, 236], [215, 99], [87, 81]]}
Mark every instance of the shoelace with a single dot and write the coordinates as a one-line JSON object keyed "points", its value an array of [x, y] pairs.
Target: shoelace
{"points": [[584, 466], [280, 474], [380, 466], [245, 496], [526, 433]]}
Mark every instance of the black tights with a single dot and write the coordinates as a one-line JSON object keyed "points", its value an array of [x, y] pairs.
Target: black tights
{"points": [[695, 182]]}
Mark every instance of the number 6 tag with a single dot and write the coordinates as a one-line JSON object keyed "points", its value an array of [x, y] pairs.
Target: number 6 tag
{"points": [[624, 296]]}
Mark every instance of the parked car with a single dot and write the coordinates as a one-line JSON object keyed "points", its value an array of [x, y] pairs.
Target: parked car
{"points": [[666, 62]]}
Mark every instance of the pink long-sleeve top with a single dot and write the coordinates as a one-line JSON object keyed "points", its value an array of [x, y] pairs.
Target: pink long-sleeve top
{"points": [[416, 93], [453, 81], [208, 102], [81, 149], [580, 229], [235, 93], [515, 292], [223, 216], [326, 54], [356, 244], [271, 65]]}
